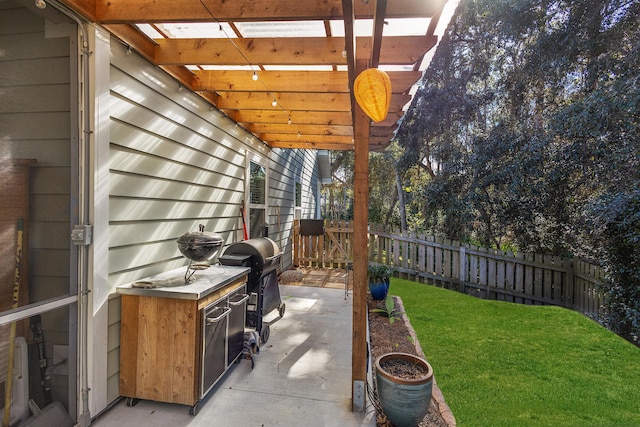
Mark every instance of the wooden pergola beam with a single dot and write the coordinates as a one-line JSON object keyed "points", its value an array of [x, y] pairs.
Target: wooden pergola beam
{"points": [[303, 130], [287, 137], [290, 81], [298, 51], [288, 101], [271, 115], [313, 145], [130, 11]]}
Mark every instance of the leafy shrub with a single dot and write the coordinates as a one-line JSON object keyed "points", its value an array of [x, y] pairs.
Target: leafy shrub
{"points": [[380, 271], [615, 221]]}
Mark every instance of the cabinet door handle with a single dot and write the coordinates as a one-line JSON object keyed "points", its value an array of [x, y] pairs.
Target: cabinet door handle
{"points": [[240, 301], [224, 314]]}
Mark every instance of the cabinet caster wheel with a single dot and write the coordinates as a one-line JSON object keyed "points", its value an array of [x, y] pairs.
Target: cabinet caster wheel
{"points": [[264, 334], [281, 309], [131, 401], [193, 410]]}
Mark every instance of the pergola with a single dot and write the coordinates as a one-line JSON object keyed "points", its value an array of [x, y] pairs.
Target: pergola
{"points": [[284, 70]]}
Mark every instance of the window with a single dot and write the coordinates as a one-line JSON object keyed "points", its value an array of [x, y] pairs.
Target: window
{"points": [[257, 197], [297, 212], [298, 194]]}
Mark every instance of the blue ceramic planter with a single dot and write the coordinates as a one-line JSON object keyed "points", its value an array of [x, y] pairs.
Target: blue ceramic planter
{"points": [[405, 402], [379, 289]]}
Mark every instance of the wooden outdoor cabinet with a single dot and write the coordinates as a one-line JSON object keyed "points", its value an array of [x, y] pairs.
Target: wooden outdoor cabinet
{"points": [[161, 346]]}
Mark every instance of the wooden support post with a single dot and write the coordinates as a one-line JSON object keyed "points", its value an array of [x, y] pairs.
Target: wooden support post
{"points": [[360, 243]]}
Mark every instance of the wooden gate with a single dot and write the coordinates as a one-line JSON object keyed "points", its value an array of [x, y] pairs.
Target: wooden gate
{"points": [[330, 249]]}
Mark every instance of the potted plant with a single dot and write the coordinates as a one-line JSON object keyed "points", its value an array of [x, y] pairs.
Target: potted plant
{"points": [[379, 275], [404, 384]]}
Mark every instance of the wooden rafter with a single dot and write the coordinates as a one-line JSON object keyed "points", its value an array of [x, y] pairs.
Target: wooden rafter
{"points": [[318, 101], [290, 81], [300, 51], [378, 26], [320, 130], [316, 139], [288, 101], [299, 117]]}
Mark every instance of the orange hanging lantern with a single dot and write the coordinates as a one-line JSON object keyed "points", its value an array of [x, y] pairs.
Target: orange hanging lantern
{"points": [[372, 89]]}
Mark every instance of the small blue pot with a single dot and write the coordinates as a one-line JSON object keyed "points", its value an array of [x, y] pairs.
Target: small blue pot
{"points": [[379, 290]]}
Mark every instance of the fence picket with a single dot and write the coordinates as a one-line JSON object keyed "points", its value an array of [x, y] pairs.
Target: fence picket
{"points": [[422, 257], [482, 278], [500, 280], [528, 279], [559, 285], [547, 279], [395, 244], [491, 273], [537, 279], [569, 288], [456, 259], [473, 270], [413, 251], [462, 269], [404, 251], [581, 288], [509, 273], [430, 256], [518, 285], [446, 260]]}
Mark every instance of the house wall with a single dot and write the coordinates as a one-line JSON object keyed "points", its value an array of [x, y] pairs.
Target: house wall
{"points": [[289, 167], [175, 163]]}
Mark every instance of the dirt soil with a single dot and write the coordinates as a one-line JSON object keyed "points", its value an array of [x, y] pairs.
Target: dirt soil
{"points": [[396, 337]]}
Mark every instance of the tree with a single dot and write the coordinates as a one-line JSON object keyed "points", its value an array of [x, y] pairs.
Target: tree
{"points": [[526, 121]]}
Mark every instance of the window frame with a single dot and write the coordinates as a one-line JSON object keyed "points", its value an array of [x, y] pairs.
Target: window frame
{"points": [[262, 161]]}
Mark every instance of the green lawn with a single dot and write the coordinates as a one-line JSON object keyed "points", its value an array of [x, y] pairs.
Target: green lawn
{"points": [[504, 364]]}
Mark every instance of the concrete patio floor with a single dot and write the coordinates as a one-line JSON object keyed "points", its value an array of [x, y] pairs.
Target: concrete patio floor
{"points": [[302, 375]]}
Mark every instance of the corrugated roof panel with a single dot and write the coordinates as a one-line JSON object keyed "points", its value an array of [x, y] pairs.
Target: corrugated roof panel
{"points": [[282, 29]]}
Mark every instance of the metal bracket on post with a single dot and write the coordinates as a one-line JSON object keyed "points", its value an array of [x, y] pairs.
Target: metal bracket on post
{"points": [[82, 235], [358, 396]]}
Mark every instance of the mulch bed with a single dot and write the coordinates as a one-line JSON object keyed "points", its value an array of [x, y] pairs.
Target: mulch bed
{"points": [[398, 336]]}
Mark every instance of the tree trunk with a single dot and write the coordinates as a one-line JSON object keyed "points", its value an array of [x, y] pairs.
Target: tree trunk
{"points": [[401, 206]]}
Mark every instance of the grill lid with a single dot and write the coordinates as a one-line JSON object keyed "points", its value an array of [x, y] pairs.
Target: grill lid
{"points": [[200, 245], [264, 255]]}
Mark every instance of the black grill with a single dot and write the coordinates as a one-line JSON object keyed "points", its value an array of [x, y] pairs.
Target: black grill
{"points": [[262, 255]]}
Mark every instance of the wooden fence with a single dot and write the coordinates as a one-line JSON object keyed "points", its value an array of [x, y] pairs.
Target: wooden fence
{"points": [[486, 273]]}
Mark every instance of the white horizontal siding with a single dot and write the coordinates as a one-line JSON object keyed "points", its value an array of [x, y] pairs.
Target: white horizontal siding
{"points": [[174, 164], [289, 167]]}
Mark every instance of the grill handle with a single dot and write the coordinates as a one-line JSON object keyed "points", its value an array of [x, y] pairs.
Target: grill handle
{"points": [[271, 258], [240, 301], [224, 314]]}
